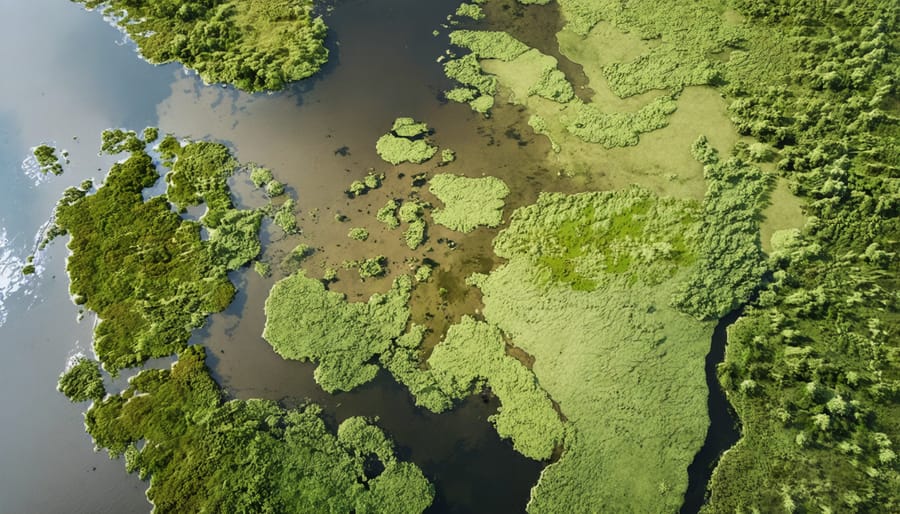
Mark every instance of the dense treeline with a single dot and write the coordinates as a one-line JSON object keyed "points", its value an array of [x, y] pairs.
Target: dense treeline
{"points": [[812, 366], [257, 45]]}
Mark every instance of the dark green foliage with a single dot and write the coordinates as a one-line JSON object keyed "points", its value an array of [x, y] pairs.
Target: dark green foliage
{"points": [[47, 159], [731, 264], [142, 268], [82, 381], [254, 44], [205, 455]]}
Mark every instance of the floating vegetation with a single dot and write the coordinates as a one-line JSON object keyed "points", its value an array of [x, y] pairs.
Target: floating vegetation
{"points": [[304, 322], [254, 45], [263, 269], [473, 11], [468, 202], [285, 217], [47, 159], [361, 187], [415, 234], [359, 234], [388, 214], [204, 454], [447, 156], [405, 143]]}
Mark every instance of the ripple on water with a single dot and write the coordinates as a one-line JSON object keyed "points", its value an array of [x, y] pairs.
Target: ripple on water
{"points": [[12, 279]]}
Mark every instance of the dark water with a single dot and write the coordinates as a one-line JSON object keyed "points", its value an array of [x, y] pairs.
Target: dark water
{"points": [[723, 430], [67, 76]]}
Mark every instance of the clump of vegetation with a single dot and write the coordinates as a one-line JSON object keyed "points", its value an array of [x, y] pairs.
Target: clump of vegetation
{"points": [[617, 129], [361, 187], [388, 214], [285, 217], [372, 267], [489, 44], [263, 269], [473, 11], [447, 156], [468, 202], [201, 453], [423, 273], [256, 46], [47, 159], [405, 143], [359, 234], [415, 234], [304, 321], [142, 268], [82, 381], [260, 176]]}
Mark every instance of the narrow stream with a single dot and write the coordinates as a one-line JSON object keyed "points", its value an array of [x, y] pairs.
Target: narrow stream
{"points": [[724, 430]]}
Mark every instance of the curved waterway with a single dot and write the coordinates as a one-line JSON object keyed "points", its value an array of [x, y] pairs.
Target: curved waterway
{"points": [[723, 430]]}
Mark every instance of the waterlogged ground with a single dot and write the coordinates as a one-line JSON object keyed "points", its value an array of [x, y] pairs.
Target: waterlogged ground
{"points": [[319, 136]]}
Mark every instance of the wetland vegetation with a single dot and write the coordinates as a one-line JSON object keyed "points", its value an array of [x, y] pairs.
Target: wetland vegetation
{"points": [[596, 317]]}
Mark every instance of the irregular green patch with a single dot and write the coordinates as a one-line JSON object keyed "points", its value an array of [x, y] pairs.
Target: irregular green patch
{"points": [[468, 202], [371, 181], [415, 234], [407, 142], [447, 156], [619, 128], [82, 381], [488, 44], [255, 45], [263, 269], [387, 214], [47, 159], [142, 268], [304, 321], [202, 454], [473, 354], [359, 234], [473, 11], [285, 217]]}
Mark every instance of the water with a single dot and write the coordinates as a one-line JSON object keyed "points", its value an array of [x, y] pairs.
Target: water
{"points": [[69, 75]]}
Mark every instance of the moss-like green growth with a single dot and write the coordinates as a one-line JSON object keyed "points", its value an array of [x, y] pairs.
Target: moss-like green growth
{"points": [[202, 454], [142, 268], [620, 128], [408, 127], [274, 189], [415, 234], [29, 269], [263, 269], [360, 234], [489, 44], [388, 214], [553, 85], [260, 176], [371, 181], [150, 134], [473, 11], [447, 156], [372, 267], [255, 45], [468, 202], [411, 211], [304, 321], [82, 381], [473, 353], [405, 143], [285, 217], [47, 159], [460, 94], [423, 273]]}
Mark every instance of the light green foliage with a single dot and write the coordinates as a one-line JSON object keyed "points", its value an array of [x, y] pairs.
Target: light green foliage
{"points": [[329, 275], [235, 241], [82, 381], [473, 353], [47, 159], [285, 218], [142, 268], [409, 128], [467, 71], [468, 202], [387, 214], [360, 234], [487, 44], [415, 234], [274, 189], [470, 11], [304, 321], [115, 141], [423, 273], [618, 128], [263, 269], [372, 267], [731, 264], [482, 104], [205, 455], [460, 94], [396, 150], [371, 181], [402, 361], [411, 211], [260, 176], [553, 85], [255, 45], [291, 262], [625, 369], [447, 156]]}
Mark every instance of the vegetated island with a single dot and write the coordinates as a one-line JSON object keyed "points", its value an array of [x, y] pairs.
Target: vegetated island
{"points": [[256, 45], [151, 278]]}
